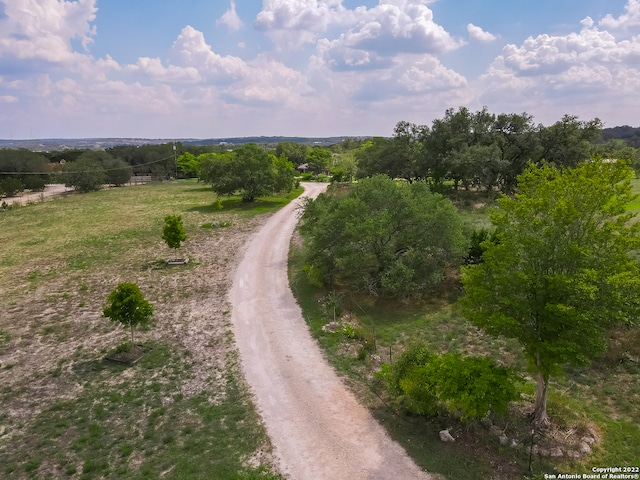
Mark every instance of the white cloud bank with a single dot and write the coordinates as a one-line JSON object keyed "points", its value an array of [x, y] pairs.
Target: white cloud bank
{"points": [[356, 72], [588, 72]]}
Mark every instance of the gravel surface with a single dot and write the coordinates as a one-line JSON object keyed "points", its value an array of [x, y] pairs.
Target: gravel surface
{"points": [[318, 428]]}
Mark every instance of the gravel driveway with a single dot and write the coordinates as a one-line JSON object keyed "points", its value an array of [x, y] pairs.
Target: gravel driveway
{"points": [[318, 428]]}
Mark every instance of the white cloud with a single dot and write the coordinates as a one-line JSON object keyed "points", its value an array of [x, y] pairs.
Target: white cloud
{"points": [[196, 68], [547, 54], [191, 50], [399, 26], [479, 35], [153, 68], [585, 72], [43, 30], [339, 57], [270, 82], [429, 75], [390, 27], [627, 20], [378, 35], [290, 23], [231, 19], [8, 99]]}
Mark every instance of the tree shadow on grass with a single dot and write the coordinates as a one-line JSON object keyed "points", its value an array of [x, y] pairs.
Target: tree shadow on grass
{"points": [[91, 367]]}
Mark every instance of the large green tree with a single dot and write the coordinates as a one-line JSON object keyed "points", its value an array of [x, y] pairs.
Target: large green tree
{"points": [[561, 271], [569, 141], [250, 171], [381, 237], [296, 153], [117, 171], [319, 159], [30, 169], [86, 174]]}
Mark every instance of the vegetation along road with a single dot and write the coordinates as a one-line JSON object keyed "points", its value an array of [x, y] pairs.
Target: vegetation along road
{"points": [[317, 427]]}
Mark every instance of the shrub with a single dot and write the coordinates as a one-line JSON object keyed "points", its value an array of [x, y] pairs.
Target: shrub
{"points": [[465, 387], [10, 186]]}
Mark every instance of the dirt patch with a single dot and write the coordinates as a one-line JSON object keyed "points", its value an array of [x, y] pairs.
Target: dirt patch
{"points": [[50, 191]]}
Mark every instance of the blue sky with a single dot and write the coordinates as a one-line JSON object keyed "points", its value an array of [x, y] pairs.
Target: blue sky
{"points": [[217, 68]]}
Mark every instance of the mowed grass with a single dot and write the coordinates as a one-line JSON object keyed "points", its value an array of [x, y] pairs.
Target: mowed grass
{"points": [[182, 412], [602, 398]]}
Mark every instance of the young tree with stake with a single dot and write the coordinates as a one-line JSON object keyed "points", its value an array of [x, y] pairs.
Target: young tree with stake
{"points": [[128, 307], [173, 232]]}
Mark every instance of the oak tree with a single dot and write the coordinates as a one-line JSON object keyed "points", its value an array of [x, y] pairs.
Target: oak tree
{"points": [[380, 237]]}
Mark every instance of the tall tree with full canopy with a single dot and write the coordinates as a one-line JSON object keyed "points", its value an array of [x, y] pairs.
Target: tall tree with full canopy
{"points": [[396, 240], [250, 171], [561, 271]]}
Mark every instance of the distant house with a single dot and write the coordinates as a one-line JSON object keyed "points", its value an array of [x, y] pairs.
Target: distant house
{"points": [[303, 167]]}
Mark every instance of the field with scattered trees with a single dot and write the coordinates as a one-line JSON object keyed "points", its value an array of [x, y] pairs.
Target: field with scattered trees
{"points": [[476, 281]]}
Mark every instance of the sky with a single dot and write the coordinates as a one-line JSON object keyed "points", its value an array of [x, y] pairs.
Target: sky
{"points": [[219, 68]]}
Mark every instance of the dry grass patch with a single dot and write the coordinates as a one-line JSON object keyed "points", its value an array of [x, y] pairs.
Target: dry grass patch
{"points": [[61, 260]]}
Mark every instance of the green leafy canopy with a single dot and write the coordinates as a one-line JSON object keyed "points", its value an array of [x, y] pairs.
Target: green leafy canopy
{"points": [[127, 306], [382, 237], [173, 232], [562, 271]]}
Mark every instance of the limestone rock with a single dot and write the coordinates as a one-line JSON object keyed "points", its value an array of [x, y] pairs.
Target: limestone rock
{"points": [[584, 448], [573, 454], [556, 453], [445, 436], [588, 440]]}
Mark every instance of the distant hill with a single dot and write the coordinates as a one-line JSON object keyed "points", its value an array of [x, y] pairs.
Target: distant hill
{"points": [[629, 134], [49, 144]]}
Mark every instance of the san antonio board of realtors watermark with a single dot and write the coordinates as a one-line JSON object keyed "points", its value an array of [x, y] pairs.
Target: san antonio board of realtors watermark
{"points": [[600, 473]]}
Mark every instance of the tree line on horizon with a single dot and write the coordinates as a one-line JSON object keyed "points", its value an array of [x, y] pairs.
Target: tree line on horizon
{"points": [[462, 150]]}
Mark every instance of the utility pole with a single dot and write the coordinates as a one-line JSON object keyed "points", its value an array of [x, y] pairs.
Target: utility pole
{"points": [[175, 159]]}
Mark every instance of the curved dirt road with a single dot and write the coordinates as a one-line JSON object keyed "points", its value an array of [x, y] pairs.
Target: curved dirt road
{"points": [[318, 429]]}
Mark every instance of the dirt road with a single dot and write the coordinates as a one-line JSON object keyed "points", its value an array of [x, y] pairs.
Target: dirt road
{"points": [[318, 428], [50, 190]]}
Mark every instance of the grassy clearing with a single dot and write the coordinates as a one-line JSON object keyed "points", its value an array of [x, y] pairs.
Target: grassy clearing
{"points": [[183, 411], [603, 398]]}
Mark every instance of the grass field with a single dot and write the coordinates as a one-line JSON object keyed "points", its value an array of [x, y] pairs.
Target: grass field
{"points": [[183, 411], [602, 399]]}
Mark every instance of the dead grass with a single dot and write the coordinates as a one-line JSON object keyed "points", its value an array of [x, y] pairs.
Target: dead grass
{"points": [[60, 261]]}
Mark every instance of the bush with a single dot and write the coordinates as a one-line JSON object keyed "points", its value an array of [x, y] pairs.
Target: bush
{"points": [[10, 186], [465, 387], [478, 237]]}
